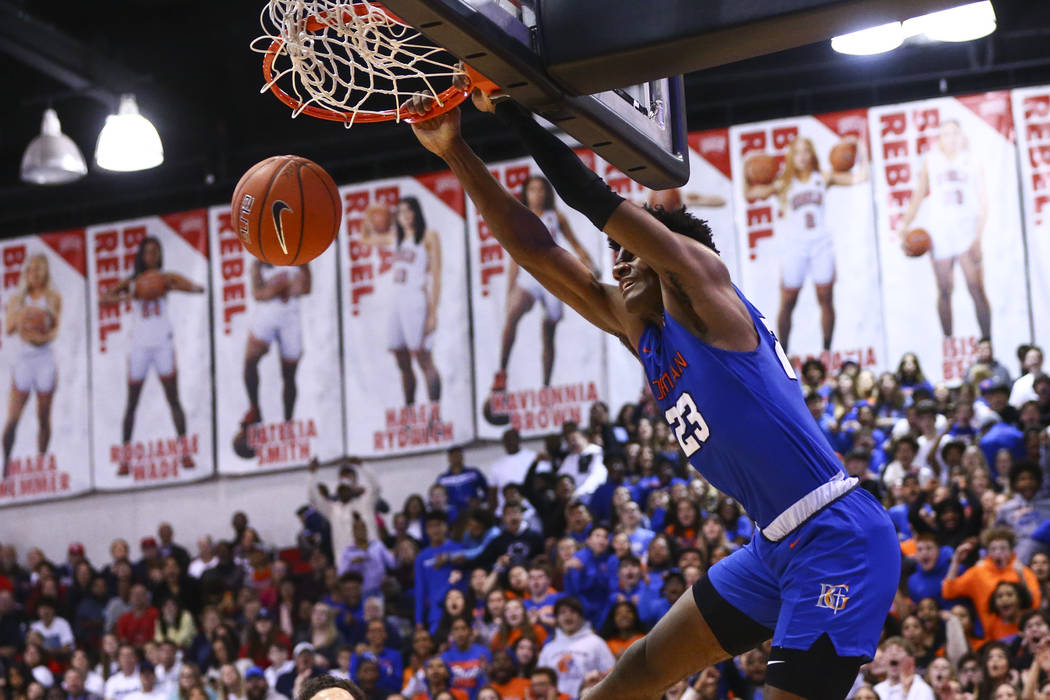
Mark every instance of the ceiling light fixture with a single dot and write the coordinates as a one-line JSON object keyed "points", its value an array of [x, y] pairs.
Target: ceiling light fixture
{"points": [[872, 40], [963, 23], [52, 158], [128, 140]]}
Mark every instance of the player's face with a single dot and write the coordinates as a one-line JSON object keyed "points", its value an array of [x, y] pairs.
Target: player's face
{"points": [[151, 255], [802, 158], [36, 273], [639, 284], [405, 216], [950, 138], [535, 194]]}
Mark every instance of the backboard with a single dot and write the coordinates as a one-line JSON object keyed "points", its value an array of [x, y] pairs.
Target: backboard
{"points": [[639, 129]]}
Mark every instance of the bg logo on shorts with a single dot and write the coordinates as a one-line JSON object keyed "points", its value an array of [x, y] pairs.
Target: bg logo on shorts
{"points": [[833, 597]]}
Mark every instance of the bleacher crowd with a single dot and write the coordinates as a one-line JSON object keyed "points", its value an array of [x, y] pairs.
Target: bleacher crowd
{"points": [[527, 578]]}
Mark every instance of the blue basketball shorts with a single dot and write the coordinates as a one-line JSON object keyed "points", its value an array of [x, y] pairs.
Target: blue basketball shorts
{"points": [[837, 573]]}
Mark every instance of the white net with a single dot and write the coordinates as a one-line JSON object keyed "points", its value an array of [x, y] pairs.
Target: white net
{"points": [[353, 59]]}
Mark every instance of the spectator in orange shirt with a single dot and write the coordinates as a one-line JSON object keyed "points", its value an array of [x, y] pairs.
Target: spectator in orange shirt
{"points": [[1006, 604], [543, 685], [437, 681], [136, 626], [503, 679], [979, 582], [621, 628]]}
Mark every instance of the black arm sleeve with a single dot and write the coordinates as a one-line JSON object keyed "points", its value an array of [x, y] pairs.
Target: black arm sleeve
{"points": [[580, 187]]}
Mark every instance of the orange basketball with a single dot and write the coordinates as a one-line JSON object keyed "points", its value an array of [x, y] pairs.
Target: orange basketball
{"points": [[668, 199], [150, 285], [761, 169], [286, 210], [379, 217], [917, 242], [36, 319], [843, 156]]}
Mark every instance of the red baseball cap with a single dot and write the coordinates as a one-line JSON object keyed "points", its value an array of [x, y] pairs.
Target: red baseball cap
{"points": [[76, 548], [148, 542]]}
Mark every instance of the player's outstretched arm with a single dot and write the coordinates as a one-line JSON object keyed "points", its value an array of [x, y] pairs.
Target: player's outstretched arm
{"points": [[698, 279], [922, 188], [178, 283], [519, 231]]}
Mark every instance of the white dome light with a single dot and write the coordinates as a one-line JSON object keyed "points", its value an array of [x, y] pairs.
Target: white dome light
{"points": [[52, 158], [872, 40], [963, 23], [128, 140]]}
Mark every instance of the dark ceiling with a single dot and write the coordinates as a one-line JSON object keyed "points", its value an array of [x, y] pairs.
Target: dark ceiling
{"points": [[190, 67]]}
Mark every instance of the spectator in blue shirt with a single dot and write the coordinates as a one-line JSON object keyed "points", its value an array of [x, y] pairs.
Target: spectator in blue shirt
{"points": [[588, 574], [542, 597], [466, 486], [391, 670], [433, 568], [932, 562], [465, 660], [631, 588]]}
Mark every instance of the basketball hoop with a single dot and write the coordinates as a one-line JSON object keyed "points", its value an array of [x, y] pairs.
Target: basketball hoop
{"points": [[356, 62]]}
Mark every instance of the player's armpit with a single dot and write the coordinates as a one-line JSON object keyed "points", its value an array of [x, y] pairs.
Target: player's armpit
{"points": [[566, 277]]}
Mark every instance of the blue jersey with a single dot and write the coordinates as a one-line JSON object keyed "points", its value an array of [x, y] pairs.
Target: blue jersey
{"points": [[739, 417]]}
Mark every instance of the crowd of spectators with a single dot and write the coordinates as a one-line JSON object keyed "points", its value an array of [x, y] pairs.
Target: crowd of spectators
{"points": [[527, 578]]}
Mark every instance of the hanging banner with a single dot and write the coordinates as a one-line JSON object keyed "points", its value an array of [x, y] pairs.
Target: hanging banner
{"points": [[151, 397], [708, 195], [537, 362], [1032, 116], [406, 333], [949, 226], [805, 221], [43, 350], [277, 350]]}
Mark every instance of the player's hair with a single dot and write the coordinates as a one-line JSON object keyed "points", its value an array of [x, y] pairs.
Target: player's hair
{"points": [[140, 255], [315, 685], [681, 222], [23, 278], [548, 192], [419, 223], [791, 173]]}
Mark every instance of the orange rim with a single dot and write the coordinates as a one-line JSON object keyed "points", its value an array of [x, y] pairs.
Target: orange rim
{"points": [[447, 100]]}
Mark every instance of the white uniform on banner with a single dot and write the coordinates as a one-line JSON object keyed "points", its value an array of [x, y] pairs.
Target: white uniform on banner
{"points": [[34, 370], [151, 339], [807, 249], [409, 316], [953, 206], [552, 305], [278, 319]]}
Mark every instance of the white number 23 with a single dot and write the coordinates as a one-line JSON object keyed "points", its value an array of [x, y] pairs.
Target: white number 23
{"points": [[688, 425]]}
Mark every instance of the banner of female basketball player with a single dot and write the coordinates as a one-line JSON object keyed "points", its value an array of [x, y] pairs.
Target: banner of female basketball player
{"points": [[806, 235], [946, 167], [708, 195], [277, 348], [43, 349], [537, 362], [406, 332], [150, 347], [1032, 115]]}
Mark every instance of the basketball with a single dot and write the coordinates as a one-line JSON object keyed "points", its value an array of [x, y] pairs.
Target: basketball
{"points": [[378, 217], [668, 199], [286, 210], [150, 285], [36, 320], [916, 242], [843, 156], [760, 169]]}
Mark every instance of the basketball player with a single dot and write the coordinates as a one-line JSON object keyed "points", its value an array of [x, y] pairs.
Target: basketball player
{"points": [[807, 247], [522, 288], [34, 312], [152, 344], [417, 283], [958, 210], [276, 291], [820, 576]]}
